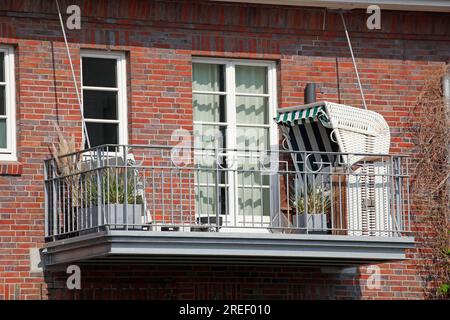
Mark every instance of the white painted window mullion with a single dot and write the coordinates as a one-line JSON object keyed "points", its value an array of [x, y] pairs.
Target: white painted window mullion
{"points": [[101, 120], [113, 89], [262, 95], [9, 153], [233, 196], [122, 100], [217, 93]]}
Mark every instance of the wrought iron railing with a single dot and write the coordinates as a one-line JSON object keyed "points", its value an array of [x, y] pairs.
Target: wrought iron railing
{"points": [[160, 188]]}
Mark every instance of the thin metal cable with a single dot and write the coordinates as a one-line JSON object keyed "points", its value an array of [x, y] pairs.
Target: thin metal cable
{"points": [[353, 58], [80, 102]]}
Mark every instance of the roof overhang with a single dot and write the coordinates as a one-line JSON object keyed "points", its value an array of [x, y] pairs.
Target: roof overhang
{"points": [[402, 5], [217, 247]]}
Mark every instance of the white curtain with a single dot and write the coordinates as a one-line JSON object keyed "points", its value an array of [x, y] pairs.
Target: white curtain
{"points": [[252, 187], [207, 108]]}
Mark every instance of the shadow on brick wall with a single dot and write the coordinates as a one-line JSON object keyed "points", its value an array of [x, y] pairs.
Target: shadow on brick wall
{"points": [[169, 282]]}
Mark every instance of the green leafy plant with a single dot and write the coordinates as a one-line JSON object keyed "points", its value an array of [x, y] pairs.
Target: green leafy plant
{"points": [[315, 201], [444, 289], [112, 187]]}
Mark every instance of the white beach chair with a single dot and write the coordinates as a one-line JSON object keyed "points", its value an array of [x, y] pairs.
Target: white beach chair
{"points": [[331, 127]]}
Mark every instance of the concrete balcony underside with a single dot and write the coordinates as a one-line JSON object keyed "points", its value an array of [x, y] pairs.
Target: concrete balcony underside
{"points": [[111, 246]]}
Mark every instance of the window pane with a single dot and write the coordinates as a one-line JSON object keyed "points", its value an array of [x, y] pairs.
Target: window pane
{"points": [[99, 72], [253, 203], [2, 101], [251, 79], [102, 133], [2, 66], [209, 137], [208, 77], [206, 199], [251, 138], [254, 169], [252, 110], [209, 108], [3, 133], [100, 104], [206, 175], [206, 193]]}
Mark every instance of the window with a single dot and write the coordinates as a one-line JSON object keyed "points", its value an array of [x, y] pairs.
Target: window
{"points": [[104, 97], [234, 103], [7, 105]]}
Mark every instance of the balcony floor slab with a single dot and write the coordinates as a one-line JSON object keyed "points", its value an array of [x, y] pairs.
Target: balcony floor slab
{"points": [[113, 246]]}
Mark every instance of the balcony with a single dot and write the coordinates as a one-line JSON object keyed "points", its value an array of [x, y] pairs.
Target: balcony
{"points": [[137, 204]]}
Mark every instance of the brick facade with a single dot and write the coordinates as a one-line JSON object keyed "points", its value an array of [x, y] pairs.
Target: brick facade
{"points": [[159, 39]]}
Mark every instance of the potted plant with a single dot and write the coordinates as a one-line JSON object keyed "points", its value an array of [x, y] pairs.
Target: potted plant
{"points": [[311, 210], [112, 200]]}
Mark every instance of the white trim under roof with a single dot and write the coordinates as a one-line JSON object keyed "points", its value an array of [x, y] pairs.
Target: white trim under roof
{"points": [[402, 5]]}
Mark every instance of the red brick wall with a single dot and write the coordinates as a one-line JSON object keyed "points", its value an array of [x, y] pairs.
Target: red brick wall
{"points": [[160, 37]]}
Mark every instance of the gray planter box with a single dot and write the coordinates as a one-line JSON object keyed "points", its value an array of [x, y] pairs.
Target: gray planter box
{"points": [[316, 223], [114, 216]]}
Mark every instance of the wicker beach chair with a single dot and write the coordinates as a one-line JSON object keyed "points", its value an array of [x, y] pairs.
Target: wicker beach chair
{"points": [[365, 136]]}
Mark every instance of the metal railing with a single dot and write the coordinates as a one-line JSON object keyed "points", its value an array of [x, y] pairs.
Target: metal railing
{"points": [[158, 188]]}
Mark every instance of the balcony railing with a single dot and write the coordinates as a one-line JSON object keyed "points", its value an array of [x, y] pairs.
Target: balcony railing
{"points": [[173, 189]]}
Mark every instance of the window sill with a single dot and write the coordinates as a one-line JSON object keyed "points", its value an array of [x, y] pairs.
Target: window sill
{"points": [[10, 168]]}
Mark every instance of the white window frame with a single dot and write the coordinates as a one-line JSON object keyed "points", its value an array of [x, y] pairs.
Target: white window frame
{"points": [[10, 152], [122, 105], [231, 123], [230, 93]]}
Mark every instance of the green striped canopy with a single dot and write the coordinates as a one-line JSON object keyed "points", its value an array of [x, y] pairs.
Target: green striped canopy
{"points": [[297, 116], [308, 128]]}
